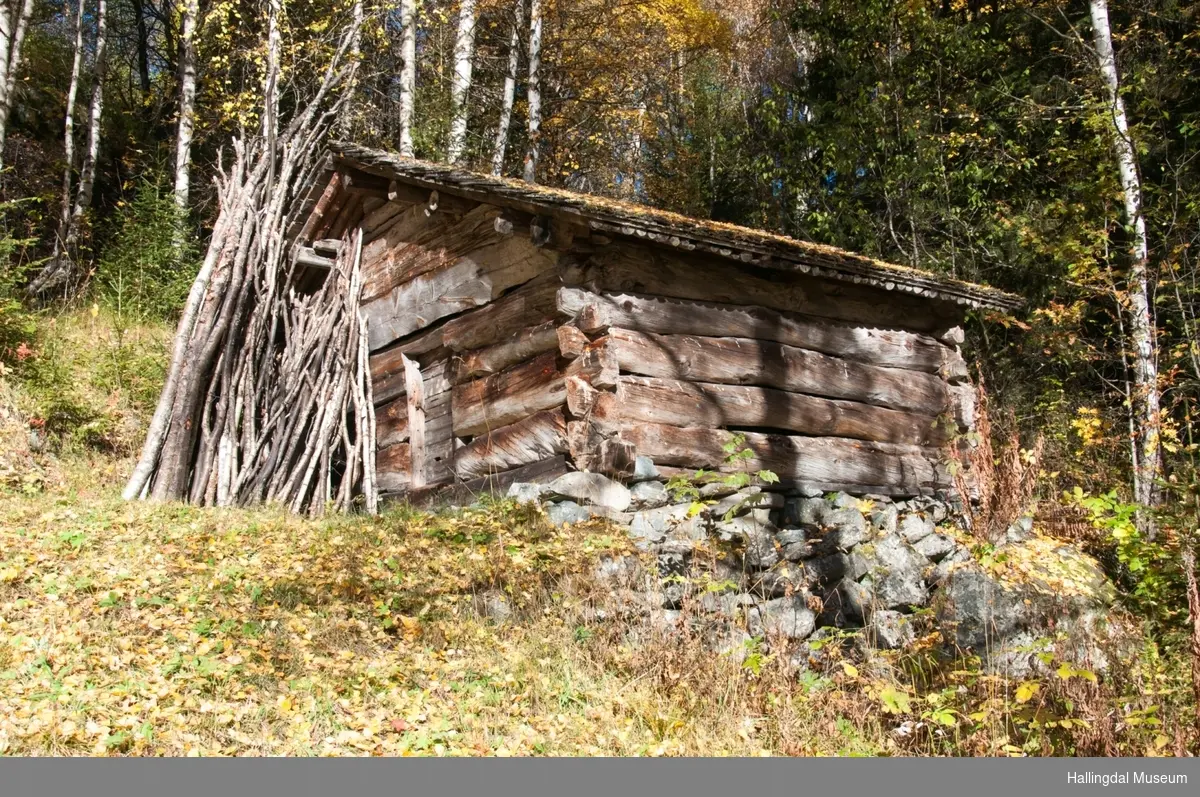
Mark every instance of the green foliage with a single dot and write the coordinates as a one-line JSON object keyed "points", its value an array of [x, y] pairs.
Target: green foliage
{"points": [[686, 487], [149, 265]]}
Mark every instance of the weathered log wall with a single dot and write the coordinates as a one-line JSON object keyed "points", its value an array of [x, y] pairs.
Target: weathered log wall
{"points": [[503, 342]]}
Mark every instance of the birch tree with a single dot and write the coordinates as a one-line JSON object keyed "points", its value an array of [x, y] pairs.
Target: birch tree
{"points": [[189, 14], [408, 72], [460, 86], [535, 89], [510, 89], [64, 216], [14, 22], [1147, 454]]}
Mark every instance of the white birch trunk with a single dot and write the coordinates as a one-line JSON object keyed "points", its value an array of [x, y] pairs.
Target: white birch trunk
{"points": [[14, 21], [64, 215], [460, 86], [190, 11], [510, 89], [408, 72], [1141, 324], [87, 173], [535, 89]]}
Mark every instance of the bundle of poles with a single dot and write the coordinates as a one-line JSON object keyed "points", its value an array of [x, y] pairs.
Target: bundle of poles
{"points": [[267, 398]]}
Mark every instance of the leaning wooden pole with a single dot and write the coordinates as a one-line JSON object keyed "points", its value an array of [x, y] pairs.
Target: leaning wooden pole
{"points": [[265, 398]]}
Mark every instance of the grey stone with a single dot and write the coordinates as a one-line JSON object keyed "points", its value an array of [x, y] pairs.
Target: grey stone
{"points": [[914, 527], [759, 537], [782, 579], [619, 571], [664, 621], [935, 547], [981, 612], [787, 617], [809, 491], [794, 549], [728, 604], [591, 488], [845, 528], [648, 495], [890, 630], [828, 570], [493, 605], [643, 470], [898, 574], [884, 519], [717, 489], [846, 605], [744, 501], [1020, 531], [525, 492], [653, 525], [563, 512], [843, 501], [936, 575], [726, 639], [806, 512]]}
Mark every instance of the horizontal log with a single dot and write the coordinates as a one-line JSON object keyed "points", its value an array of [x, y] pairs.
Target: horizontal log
{"points": [[693, 475], [667, 401], [741, 361], [471, 281], [491, 402], [889, 468], [380, 216], [893, 348], [307, 256], [328, 247], [632, 268], [518, 347], [526, 306], [594, 451], [531, 439]]}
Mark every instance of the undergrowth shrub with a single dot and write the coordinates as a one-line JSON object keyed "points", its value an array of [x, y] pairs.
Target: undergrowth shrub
{"points": [[995, 476]]}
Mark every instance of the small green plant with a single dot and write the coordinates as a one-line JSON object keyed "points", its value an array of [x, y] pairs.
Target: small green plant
{"points": [[687, 487]]}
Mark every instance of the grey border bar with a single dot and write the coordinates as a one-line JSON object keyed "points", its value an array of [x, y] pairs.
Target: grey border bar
{"points": [[49, 777]]}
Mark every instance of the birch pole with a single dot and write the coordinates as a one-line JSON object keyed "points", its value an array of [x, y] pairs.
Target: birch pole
{"points": [[510, 90], [408, 72], [14, 22], [460, 86], [189, 13], [535, 89], [1147, 462]]}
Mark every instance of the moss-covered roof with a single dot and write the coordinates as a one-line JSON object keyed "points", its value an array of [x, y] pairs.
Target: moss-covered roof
{"points": [[741, 244]]}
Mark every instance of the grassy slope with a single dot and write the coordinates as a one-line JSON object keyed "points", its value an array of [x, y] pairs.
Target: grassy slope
{"points": [[162, 629]]}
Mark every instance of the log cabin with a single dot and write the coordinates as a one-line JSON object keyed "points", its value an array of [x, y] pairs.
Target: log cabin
{"points": [[518, 332]]}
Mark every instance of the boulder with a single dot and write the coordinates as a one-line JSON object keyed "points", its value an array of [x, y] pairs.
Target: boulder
{"points": [[828, 570], [758, 535], [935, 547], [782, 579], [890, 630], [563, 512], [525, 492], [745, 500], [653, 525], [1049, 591], [884, 519], [843, 501], [847, 605], [591, 488], [794, 545], [844, 528], [648, 495], [805, 512], [914, 527], [493, 605], [619, 571], [787, 617], [898, 574], [643, 470]]}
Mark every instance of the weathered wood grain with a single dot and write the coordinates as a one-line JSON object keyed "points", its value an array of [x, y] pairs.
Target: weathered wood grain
{"points": [[640, 269], [593, 312], [516, 348], [532, 439], [888, 467], [471, 281], [597, 452], [644, 399], [497, 484], [391, 423], [571, 340], [393, 468], [414, 388], [742, 361]]}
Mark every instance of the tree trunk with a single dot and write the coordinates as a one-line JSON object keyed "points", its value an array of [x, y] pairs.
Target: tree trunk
{"points": [[143, 46], [64, 216], [408, 72], [535, 89], [510, 90], [14, 21], [187, 105], [64, 270], [460, 87], [1141, 325]]}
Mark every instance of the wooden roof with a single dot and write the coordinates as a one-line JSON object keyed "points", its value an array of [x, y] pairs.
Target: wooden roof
{"points": [[741, 244]]}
